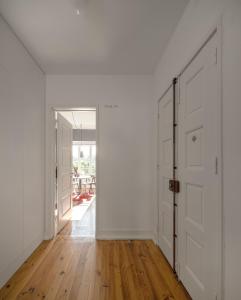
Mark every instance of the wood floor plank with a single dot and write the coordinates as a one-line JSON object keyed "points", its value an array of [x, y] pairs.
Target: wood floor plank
{"points": [[79, 274], [141, 272], [157, 281], [128, 273], [86, 269], [12, 288], [41, 281], [116, 272], [174, 285]]}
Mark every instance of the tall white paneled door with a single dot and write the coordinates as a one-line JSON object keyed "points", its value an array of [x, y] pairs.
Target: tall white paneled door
{"points": [[197, 247], [64, 170]]}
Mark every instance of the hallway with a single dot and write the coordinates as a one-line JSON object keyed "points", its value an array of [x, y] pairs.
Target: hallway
{"points": [[136, 105], [82, 268]]}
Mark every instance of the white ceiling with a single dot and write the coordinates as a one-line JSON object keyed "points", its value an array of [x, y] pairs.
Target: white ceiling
{"points": [[107, 37], [81, 119]]}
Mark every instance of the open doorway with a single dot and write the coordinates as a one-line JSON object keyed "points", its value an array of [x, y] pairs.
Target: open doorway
{"points": [[76, 171]]}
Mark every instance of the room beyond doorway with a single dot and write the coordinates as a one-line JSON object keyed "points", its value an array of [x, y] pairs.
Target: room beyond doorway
{"points": [[76, 171]]}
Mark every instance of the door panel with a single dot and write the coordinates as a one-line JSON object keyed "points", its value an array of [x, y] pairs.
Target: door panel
{"points": [[64, 163], [165, 198], [197, 151]]}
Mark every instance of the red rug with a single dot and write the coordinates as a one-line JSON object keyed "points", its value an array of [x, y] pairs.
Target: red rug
{"points": [[78, 199]]}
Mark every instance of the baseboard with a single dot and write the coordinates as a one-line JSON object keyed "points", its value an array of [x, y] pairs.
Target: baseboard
{"points": [[155, 238], [124, 235], [47, 236], [8, 272]]}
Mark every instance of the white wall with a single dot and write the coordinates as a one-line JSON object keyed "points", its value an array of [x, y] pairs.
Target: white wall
{"points": [[21, 154], [195, 24], [125, 201]]}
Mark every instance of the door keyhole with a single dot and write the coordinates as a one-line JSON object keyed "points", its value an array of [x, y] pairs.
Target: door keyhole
{"points": [[194, 138]]}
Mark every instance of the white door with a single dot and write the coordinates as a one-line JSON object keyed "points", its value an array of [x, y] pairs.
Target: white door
{"points": [[198, 201], [64, 167], [165, 197]]}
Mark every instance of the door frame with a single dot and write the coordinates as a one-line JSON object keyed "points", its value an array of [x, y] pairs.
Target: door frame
{"points": [[215, 29], [50, 166]]}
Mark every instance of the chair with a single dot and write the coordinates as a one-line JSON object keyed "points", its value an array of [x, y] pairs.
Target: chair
{"points": [[93, 184], [82, 184]]}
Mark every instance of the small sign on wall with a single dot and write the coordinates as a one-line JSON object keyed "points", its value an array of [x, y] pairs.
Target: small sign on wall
{"points": [[111, 106]]}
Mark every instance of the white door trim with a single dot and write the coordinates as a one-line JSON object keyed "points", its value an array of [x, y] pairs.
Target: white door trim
{"points": [[50, 165], [217, 28]]}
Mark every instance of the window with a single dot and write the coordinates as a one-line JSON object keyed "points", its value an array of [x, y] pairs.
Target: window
{"points": [[84, 156]]}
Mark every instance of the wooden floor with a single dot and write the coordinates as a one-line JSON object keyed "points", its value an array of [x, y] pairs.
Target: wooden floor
{"points": [[82, 268]]}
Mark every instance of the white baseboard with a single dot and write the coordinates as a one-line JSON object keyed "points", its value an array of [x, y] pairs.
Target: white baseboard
{"points": [[155, 238], [12, 267], [124, 235], [47, 236]]}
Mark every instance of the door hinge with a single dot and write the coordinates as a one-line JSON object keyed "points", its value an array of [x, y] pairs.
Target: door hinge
{"points": [[177, 267], [56, 172], [216, 56], [158, 116], [216, 165], [158, 166], [174, 186]]}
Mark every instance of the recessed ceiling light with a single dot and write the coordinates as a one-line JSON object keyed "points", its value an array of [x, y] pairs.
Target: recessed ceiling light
{"points": [[80, 6]]}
